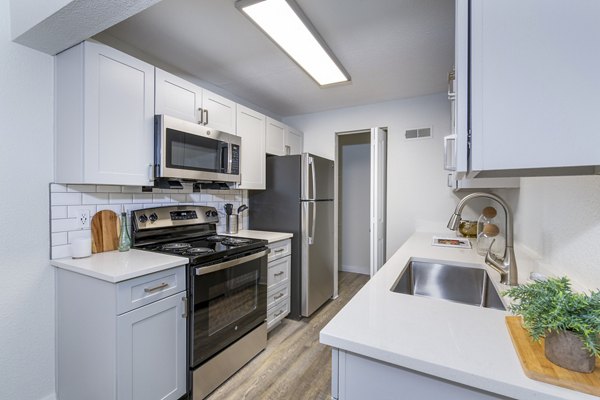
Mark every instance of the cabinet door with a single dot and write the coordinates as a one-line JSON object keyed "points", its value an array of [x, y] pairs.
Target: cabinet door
{"points": [[119, 117], [151, 351], [220, 112], [251, 128], [275, 137], [293, 141], [534, 86], [177, 97]]}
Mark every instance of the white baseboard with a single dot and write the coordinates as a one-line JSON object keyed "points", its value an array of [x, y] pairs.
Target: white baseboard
{"points": [[356, 269]]}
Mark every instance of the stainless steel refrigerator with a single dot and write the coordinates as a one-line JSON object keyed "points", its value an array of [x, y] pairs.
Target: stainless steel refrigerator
{"points": [[299, 199]]}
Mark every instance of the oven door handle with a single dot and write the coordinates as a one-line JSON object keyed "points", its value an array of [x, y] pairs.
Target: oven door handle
{"points": [[228, 264]]}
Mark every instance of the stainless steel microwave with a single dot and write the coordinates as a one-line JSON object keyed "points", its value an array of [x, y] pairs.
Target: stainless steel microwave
{"points": [[187, 151]]}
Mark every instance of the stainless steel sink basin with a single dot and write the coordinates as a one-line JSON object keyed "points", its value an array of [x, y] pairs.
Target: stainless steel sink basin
{"points": [[458, 283]]}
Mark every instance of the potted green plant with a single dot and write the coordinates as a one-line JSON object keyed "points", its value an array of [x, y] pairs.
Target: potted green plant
{"points": [[569, 322]]}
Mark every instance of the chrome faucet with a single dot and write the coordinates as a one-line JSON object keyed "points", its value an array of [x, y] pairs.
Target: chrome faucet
{"points": [[506, 265]]}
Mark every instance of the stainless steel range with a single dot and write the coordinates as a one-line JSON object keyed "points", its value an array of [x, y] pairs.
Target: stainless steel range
{"points": [[227, 289]]}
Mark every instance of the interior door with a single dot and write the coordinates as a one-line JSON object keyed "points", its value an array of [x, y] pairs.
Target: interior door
{"points": [[378, 194]]}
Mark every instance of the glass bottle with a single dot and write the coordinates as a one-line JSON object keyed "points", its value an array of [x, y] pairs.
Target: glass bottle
{"points": [[487, 230], [124, 238]]}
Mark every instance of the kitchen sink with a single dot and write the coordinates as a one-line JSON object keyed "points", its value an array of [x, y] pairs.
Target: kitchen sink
{"points": [[459, 283]]}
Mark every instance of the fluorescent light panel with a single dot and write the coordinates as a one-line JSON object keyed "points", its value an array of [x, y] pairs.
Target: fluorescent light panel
{"points": [[278, 20]]}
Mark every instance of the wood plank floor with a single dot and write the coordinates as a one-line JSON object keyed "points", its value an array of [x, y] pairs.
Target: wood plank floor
{"points": [[294, 365]]}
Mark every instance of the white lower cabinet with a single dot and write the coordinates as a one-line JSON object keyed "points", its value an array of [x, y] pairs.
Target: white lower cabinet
{"points": [[151, 351], [356, 377], [278, 282], [122, 341]]}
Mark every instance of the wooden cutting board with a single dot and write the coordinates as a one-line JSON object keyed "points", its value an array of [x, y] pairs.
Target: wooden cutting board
{"points": [[537, 366], [105, 231]]}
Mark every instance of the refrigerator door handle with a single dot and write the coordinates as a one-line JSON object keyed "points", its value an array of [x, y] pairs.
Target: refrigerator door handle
{"points": [[311, 238], [311, 162]]}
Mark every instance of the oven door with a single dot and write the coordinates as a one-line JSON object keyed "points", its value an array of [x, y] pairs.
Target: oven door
{"points": [[229, 299], [184, 150]]}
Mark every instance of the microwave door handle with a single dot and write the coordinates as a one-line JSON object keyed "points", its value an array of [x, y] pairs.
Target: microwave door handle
{"points": [[225, 156]]}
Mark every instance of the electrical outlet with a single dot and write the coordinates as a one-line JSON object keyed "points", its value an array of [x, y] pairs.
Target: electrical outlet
{"points": [[83, 218]]}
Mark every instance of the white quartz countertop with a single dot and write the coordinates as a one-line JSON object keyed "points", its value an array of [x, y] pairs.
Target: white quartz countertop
{"points": [[263, 235], [116, 266], [457, 342]]}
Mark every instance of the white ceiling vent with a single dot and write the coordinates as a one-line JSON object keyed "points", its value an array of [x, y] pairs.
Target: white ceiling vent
{"points": [[419, 133]]}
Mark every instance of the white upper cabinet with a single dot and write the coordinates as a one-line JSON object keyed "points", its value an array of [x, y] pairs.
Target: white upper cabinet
{"points": [[182, 99], [251, 127], [294, 141], [533, 85], [104, 117], [219, 112], [275, 137]]}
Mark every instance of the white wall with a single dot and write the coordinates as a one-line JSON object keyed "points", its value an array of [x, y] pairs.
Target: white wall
{"points": [[26, 278], [354, 168], [559, 219], [417, 197]]}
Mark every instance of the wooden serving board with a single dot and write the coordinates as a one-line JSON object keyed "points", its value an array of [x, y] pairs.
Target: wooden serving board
{"points": [[537, 366], [105, 231]]}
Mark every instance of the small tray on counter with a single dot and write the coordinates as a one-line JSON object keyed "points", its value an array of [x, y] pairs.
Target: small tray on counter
{"points": [[536, 366]]}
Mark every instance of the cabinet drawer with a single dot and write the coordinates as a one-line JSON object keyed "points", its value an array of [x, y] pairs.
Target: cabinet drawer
{"points": [[277, 293], [277, 313], [280, 249], [146, 289], [279, 271]]}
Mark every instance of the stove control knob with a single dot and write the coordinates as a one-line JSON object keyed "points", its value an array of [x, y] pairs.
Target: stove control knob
{"points": [[143, 218], [153, 217], [207, 214], [214, 213]]}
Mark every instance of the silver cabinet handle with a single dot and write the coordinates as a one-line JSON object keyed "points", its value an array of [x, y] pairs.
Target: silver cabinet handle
{"points": [[150, 174], [185, 307], [155, 288], [279, 273], [205, 116], [278, 296], [277, 314], [201, 111], [279, 250]]}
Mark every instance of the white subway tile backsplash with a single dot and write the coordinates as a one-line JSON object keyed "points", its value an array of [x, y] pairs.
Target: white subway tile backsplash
{"points": [[61, 251], [59, 238], [194, 197], [84, 234], [179, 198], [74, 211], [140, 197], [57, 212], [56, 188], [65, 199], [120, 198], [94, 198], [161, 198], [81, 188], [64, 225], [108, 189]]}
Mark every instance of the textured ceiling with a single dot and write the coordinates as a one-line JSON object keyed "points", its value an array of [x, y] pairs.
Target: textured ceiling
{"points": [[391, 49]]}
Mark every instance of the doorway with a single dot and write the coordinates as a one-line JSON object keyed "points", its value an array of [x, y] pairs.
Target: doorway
{"points": [[360, 167]]}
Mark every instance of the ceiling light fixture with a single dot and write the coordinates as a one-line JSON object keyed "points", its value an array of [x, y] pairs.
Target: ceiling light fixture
{"points": [[285, 23]]}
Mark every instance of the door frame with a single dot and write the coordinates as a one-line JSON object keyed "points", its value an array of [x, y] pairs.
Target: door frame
{"points": [[336, 208]]}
